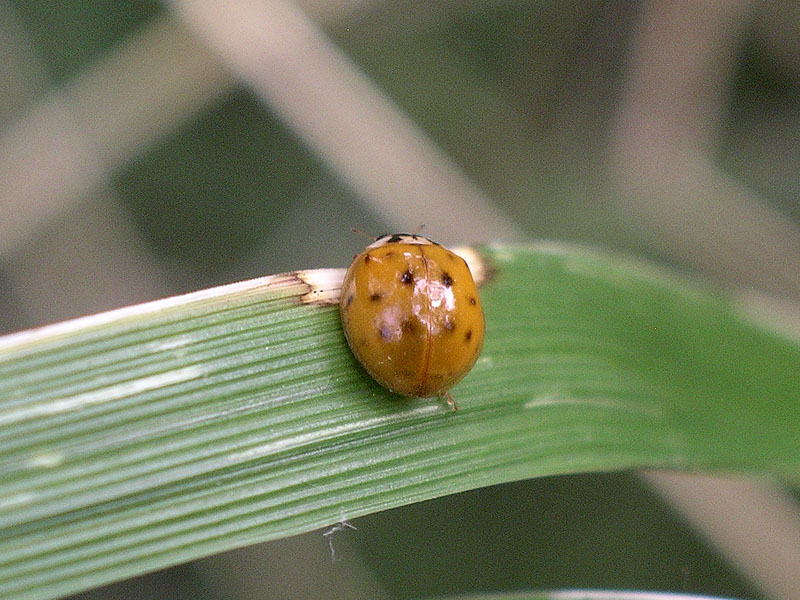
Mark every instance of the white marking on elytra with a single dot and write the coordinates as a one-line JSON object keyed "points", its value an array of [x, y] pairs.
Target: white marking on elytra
{"points": [[102, 395]]}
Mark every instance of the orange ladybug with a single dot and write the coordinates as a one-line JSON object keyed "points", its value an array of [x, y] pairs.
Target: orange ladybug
{"points": [[411, 314]]}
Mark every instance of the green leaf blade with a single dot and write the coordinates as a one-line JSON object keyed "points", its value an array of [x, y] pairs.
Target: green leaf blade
{"points": [[146, 437]]}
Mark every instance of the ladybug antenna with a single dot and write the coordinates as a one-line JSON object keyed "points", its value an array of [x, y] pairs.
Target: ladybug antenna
{"points": [[419, 228], [365, 234]]}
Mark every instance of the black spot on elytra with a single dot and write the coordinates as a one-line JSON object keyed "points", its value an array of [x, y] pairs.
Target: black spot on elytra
{"points": [[367, 259], [349, 300], [408, 326], [376, 296], [473, 301], [468, 336], [407, 277], [449, 323], [446, 279]]}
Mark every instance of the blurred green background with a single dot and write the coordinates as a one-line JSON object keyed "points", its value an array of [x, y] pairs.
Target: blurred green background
{"points": [[137, 161]]}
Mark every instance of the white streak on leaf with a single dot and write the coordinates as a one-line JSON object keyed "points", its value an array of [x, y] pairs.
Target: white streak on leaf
{"points": [[46, 460], [102, 395], [295, 441], [14, 500]]}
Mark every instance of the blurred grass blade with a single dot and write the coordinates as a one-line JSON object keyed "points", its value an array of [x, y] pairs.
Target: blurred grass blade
{"points": [[140, 438], [583, 595]]}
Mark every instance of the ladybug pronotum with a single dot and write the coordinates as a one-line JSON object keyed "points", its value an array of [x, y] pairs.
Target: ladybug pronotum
{"points": [[411, 314]]}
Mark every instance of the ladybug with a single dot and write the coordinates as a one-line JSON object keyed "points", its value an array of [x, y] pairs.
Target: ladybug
{"points": [[411, 315]]}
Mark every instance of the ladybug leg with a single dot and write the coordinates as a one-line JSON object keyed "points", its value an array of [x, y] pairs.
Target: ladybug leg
{"points": [[451, 401]]}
